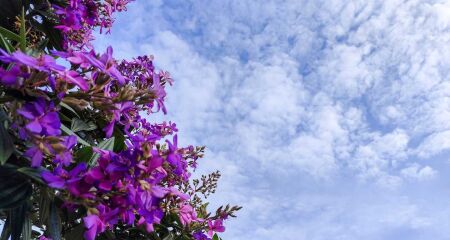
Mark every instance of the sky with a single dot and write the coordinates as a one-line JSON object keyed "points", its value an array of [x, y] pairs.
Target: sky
{"points": [[328, 119]]}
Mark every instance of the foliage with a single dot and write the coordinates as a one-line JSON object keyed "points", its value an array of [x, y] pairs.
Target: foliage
{"points": [[78, 154]]}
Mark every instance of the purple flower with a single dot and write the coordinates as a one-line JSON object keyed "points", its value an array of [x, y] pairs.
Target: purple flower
{"points": [[12, 77], [200, 236], [107, 64], [42, 118], [174, 158], [61, 179], [36, 155], [121, 112], [65, 157], [43, 63], [55, 179]]}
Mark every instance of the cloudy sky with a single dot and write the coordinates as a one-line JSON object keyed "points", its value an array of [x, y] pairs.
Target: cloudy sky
{"points": [[328, 119]]}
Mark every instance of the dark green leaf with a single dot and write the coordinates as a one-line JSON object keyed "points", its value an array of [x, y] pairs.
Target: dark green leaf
{"points": [[34, 173], [44, 205], [54, 224], [6, 144], [107, 144], [10, 199], [119, 143], [79, 125], [215, 237], [14, 188], [84, 154], [64, 105], [76, 233], [18, 217]]}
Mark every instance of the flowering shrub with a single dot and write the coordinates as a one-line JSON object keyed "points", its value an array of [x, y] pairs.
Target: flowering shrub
{"points": [[78, 154]]}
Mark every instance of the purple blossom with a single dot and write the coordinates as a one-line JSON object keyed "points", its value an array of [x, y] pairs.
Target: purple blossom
{"points": [[43, 63], [60, 178], [12, 77], [200, 236], [107, 64], [65, 157], [41, 117], [36, 156]]}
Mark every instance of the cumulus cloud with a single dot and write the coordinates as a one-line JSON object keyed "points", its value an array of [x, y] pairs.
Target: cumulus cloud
{"points": [[325, 116]]}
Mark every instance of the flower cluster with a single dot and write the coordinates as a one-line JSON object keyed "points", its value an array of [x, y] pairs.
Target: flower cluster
{"points": [[83, 118], [79, 18]]}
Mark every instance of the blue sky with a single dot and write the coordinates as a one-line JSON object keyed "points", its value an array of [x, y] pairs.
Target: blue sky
{"points": [[328, 119]]}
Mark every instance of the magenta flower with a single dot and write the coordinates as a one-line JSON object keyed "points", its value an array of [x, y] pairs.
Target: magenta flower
{"points": [[41, 117], [73, 77], [106, 64], [215, 226], [61, 179], [94, 226], [121, 112]]}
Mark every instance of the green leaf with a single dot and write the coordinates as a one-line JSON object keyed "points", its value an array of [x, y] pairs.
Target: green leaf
{"points": [[79, 125], [8, 34], [54, 223], [6, 144], [22, 33], [107, 144], [215, 237], [70, 132], [6, 44]]}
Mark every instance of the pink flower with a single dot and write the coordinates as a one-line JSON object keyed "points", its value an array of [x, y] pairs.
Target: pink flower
{"points": [[187, 214], [215, 226]]}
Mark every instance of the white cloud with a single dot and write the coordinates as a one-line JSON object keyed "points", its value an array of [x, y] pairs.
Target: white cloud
{"points": [[419, 173], [434, 144], [328, 106]]}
